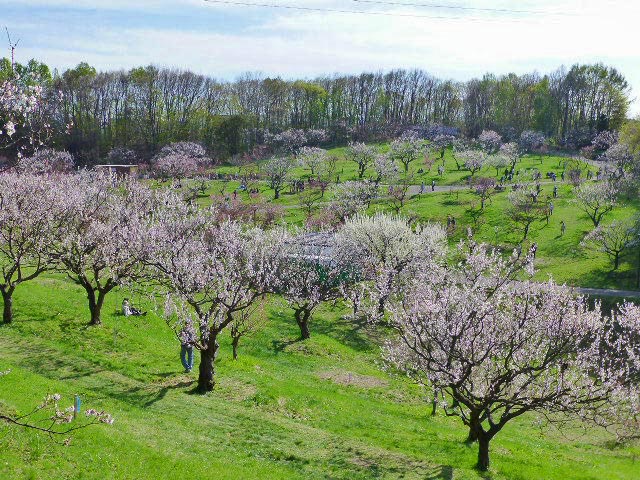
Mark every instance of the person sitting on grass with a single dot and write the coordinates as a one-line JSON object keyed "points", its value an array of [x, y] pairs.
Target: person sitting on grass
{"points": [[128, 310]]}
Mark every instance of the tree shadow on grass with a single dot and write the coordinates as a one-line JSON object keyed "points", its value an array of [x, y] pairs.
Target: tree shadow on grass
{"points": [[357, 334], [280, 346], [441, 472]]}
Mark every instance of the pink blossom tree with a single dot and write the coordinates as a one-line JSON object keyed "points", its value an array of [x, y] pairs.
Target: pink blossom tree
{"points": [[490, 141], [101, 242], [28, 224], [497, 347], [180, 159], [209, 273], [46, 161]]}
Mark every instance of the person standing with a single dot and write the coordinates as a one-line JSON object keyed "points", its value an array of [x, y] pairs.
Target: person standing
{"points": [[186, 350], [563, 228]]}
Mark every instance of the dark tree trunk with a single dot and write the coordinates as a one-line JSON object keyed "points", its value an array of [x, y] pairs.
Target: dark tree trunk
{"points": [[95, 304], [234, 344], [616, 261], [206, 375], [302, 319], [7, 311], [483, 452]]}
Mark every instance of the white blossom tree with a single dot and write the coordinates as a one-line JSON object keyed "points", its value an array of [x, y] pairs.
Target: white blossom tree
{"points": [[277, 170], [101, 241], [312, 158], [353, 196], [596, 199], [311, 274], [473, 160], [385, 169], [362, 155], [512, 152], [406, 150], [387, 251], [613, 239]]}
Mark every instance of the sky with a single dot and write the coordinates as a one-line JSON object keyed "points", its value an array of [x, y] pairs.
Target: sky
{"points": [[451, 39]]}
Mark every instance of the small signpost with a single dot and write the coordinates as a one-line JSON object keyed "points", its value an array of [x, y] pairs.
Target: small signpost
{"points": [[76, 406]]}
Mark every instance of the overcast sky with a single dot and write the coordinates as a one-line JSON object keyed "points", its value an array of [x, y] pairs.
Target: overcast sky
{"points": [[463, 41]]}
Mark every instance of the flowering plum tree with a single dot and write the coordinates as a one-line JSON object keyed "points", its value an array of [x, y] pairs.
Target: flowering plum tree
{"points": [[26, 114], [473, 160], [121, 156], [530, 141], [28, 223], [614, 239], [312, 158], [385, 169], [180, 159], [512, 152], [45, 161], [406, 150], [387, 252], [524, 208], [352, 197], [311, 274], [362, 155], [101, 240], [209, 273], [440, 143], [596, 199], [497, 347], [490, 141], [484, 187], [277, 170], [50, 418]]}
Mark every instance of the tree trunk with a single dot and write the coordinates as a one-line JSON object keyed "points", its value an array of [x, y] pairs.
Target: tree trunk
{"points": [[302, 319], [95, 304], [206, 369], [234, 344], [483, 452], [7, 311], [616, 261]]}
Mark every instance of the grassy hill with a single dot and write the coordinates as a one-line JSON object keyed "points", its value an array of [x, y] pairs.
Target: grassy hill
{"points": [[560, 256], [323, 408]]}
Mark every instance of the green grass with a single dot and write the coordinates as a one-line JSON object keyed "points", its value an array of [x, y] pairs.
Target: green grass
{"points": [[562, 257], [283, 410]]}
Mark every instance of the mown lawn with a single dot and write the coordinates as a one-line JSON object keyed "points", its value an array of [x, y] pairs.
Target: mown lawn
{"points": [[323, 408], [562, 257]]}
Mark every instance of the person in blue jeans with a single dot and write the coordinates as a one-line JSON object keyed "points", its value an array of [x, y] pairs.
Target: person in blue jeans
{"points": [[186, 355]]}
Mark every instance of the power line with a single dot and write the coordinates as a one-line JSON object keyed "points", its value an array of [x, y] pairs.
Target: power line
{"points": [[354, 12], [459, 7]]}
